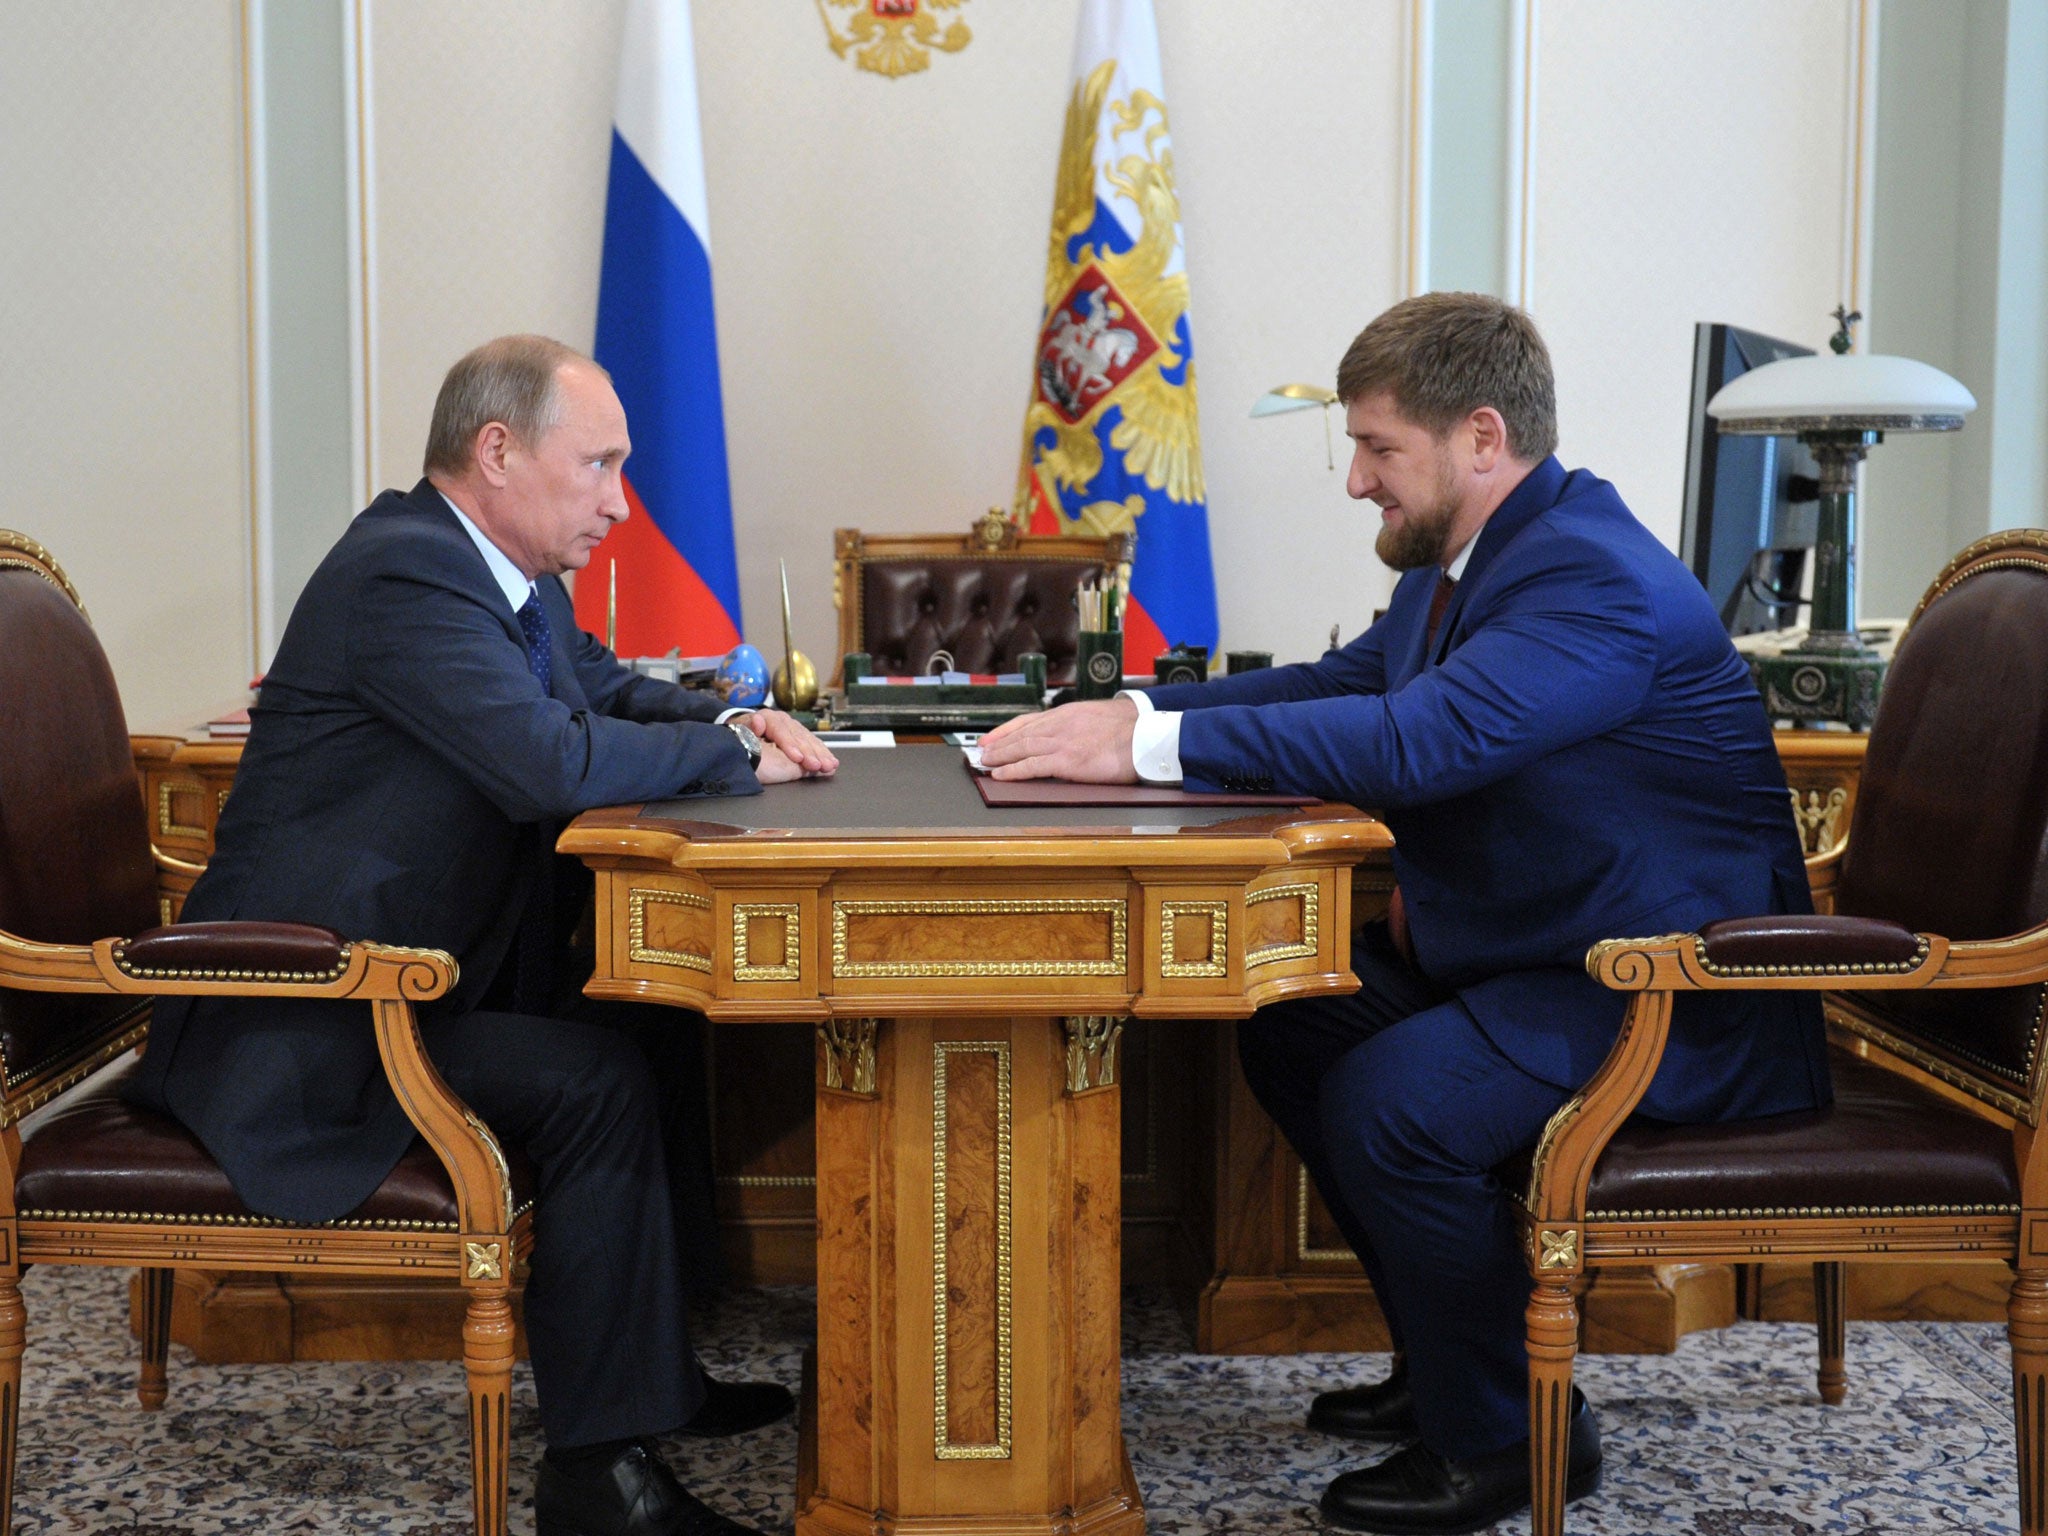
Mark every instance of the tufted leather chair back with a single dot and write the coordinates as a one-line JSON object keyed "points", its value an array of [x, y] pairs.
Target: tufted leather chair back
{"points": [[75, 864], [985, 612], [1951, 827], [985, 597]]}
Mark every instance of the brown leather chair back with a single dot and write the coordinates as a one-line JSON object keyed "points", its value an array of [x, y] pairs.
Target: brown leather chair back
{"points": [[75, 863], [985, 598], [1950, 834]]}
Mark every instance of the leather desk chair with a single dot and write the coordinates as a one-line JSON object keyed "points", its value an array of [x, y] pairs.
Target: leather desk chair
{"points": [[1933, 966], [95, 1181], [984, 597]]}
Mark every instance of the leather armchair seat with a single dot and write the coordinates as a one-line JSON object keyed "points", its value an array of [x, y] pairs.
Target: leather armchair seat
{"points": [[1884, 1144], [97, 1154]]}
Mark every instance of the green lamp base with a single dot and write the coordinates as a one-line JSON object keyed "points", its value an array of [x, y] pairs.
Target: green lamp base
{"points": [[1816, 685]]}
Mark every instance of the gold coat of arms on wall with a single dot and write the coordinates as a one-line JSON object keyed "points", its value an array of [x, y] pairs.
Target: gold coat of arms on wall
{"points": [[894, 37]]}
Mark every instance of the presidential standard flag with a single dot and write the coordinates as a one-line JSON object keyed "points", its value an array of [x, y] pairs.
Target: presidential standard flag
{"points": [[1110, 440], [678, 579]]}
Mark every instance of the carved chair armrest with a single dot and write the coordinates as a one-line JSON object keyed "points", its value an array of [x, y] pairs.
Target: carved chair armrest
{"points": [[298, 960], [230, 960], [1787, 953]]}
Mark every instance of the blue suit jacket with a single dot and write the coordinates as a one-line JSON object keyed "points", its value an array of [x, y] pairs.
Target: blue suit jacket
{"points": [[403, 774], [1583, 756]]}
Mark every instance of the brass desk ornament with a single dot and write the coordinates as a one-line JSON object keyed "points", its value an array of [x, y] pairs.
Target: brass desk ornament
{"points": [[796, 680]]}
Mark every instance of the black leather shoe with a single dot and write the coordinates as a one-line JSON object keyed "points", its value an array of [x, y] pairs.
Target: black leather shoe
{"points": [[1416, 1492], [1383, 1411], [636, 1495], [734, 1407]]}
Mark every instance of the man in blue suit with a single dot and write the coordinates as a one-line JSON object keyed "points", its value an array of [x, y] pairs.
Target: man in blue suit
{"points": [[432, 716], [1567, 748]]}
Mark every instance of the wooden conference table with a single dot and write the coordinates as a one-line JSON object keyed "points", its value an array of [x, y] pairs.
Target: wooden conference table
{"points": [[969, 970]]}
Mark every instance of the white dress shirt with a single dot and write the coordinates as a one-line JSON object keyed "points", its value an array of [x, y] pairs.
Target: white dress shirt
{"points": [[1155, 739], [511, 580]]}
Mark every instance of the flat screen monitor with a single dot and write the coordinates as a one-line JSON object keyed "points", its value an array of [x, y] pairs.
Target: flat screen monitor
{"points": [[1751, 503]]}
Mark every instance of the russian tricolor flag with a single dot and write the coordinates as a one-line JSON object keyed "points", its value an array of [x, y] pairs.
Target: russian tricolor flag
{"points": [[678, 577]]}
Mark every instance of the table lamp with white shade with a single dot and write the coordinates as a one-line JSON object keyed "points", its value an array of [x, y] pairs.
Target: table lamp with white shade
{"points": [[1840, 406]]}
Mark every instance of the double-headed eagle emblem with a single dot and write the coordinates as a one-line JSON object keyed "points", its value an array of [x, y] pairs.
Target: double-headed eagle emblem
{"points": [[894, 37], [1114, 335]]}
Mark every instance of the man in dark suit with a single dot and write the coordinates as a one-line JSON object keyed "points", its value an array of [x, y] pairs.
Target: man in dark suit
{"points": [[1566, 748], [431, 718]]}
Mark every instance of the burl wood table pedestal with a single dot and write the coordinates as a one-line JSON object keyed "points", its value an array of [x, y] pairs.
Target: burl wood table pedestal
{"points": [[969, 972]]}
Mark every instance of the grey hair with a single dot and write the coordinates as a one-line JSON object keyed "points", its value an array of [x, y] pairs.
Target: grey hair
{"points": [[510, 381]]}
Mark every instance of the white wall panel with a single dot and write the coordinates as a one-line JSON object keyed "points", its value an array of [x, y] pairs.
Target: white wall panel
{"points": [[123, 415], [1691, 163]]}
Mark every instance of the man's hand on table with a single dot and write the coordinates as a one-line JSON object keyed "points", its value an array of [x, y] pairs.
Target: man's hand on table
{"points": [[783, 738], [1088, 743]]}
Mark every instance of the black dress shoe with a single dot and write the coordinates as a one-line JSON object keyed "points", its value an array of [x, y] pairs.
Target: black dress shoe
{"points": [[1416, 1492], [1382, 1411], [635, 1495], [734, 1407]]}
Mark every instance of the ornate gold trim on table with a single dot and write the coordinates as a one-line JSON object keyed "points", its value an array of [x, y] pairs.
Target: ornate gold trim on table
{"points": [[1303, 948], [791, 966], [1091, 1051], [1113, 964], [1301, 1247], [849, 1054], [165, 826], [638, 900], [769, 1180], [943, 1446], [1218, 962]]}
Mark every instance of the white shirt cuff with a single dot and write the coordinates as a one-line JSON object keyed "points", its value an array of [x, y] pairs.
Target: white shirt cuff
{"points": [[1137, 697], [1155, 745], [731, 714]]}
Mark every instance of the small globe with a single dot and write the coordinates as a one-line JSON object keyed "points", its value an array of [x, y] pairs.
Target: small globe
{"points": [[742, 678]]}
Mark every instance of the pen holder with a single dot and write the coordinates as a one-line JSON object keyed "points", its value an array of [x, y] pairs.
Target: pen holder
{"points": [[1099, 664], [1248, 661]]}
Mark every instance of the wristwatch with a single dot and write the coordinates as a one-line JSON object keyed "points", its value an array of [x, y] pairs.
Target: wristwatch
{"points": [[749, 742]]}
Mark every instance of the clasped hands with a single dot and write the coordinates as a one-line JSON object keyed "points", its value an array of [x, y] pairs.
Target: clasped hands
{"points": [[1088, 743], [788, 750]]}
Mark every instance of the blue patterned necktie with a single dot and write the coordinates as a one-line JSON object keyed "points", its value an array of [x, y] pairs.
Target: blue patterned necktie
{"points": [[533, 622]]}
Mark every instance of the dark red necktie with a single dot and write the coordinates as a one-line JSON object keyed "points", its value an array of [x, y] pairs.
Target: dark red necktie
{"points": [[1439, 600]]}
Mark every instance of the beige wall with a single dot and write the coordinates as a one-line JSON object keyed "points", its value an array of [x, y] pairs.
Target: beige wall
{"points": [[878, 250], [1691, 163], [123, 420]]}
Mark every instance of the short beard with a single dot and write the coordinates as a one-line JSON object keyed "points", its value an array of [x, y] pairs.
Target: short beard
{"points": [[1423, 533]]}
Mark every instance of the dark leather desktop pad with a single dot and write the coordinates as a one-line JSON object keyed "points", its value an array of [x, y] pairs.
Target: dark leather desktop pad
{"points": [[924, 788]]}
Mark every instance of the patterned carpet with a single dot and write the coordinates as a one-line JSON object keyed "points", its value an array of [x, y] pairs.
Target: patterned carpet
{"points": [[1724, 1438]]}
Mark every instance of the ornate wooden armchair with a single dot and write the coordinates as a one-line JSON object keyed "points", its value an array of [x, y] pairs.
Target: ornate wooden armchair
{"points": [[95, 1181], [1933, 966], [984, 597]]}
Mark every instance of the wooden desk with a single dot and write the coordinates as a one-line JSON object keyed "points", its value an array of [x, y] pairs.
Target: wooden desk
{"points": [[969, 972]]}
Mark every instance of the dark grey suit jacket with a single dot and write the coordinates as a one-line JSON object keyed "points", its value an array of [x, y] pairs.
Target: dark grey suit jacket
{"points": [[402, 766]]}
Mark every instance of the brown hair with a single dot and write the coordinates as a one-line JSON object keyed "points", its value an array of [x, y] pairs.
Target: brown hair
{"points": [[511, 381], [1444, 355]]}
